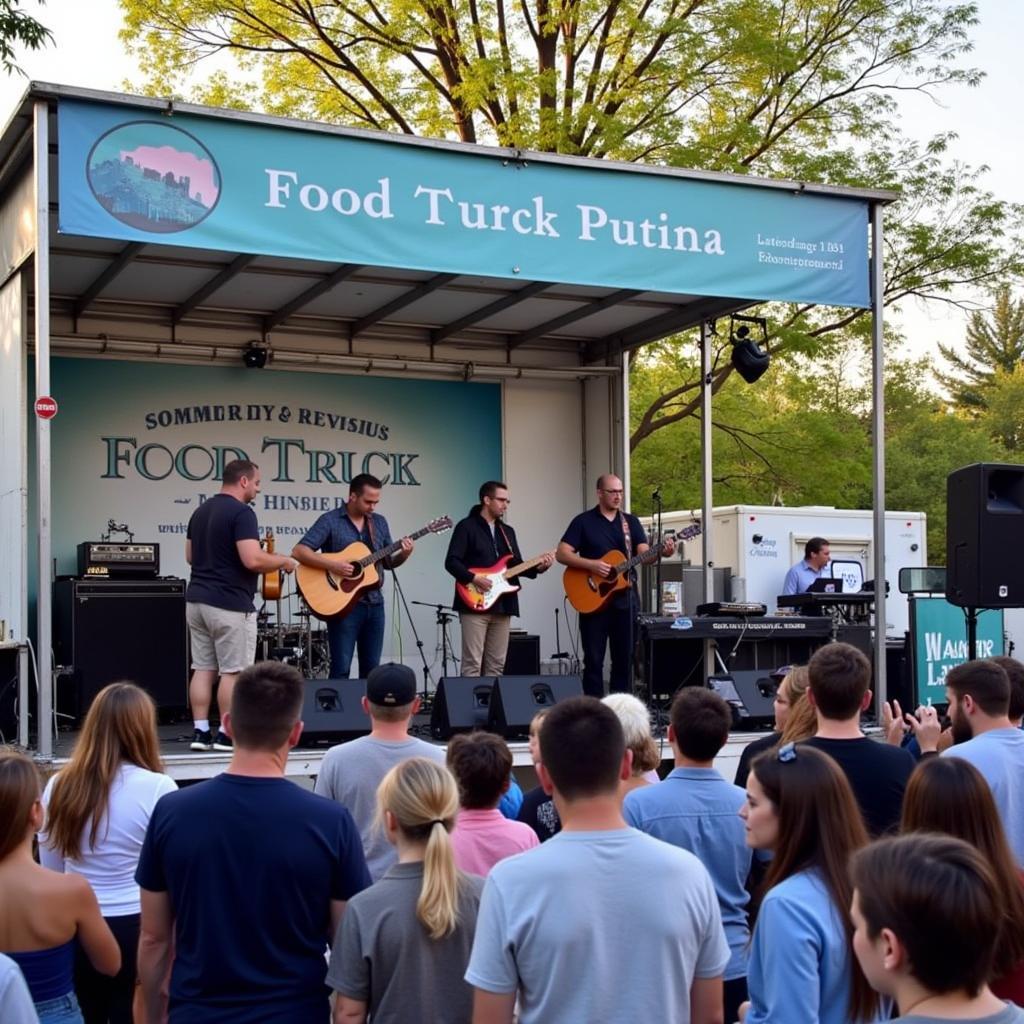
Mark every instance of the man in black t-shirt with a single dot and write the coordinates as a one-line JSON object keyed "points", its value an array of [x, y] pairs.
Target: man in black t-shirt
{"points": [[877, 772], [244, 877], [222, 545], [590, 536]]}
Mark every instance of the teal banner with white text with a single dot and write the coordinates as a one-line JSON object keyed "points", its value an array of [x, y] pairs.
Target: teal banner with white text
{"points": [[939, 633], [245, 187]]}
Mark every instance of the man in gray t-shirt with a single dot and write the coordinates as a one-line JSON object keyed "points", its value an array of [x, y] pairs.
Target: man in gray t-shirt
{"points": [[351, 772], [601, 922]]}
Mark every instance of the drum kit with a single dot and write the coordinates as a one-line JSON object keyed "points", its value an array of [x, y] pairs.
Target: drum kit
{"points": [[301, 643]]}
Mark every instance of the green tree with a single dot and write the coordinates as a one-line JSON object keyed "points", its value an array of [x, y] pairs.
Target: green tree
{"points": [[1003, 414], [993, 346], [19, 29]]}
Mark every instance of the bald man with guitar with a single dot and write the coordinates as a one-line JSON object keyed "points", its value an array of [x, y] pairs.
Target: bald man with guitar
{"points": [[599, 548]]}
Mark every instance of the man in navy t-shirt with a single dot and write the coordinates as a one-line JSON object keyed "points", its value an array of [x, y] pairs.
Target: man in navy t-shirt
{"points": [[590, 536], [245, 877], [222, 545]]}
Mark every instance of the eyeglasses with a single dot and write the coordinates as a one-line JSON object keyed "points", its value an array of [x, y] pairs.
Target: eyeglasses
{"points": [[606, 491], [786, 753]]}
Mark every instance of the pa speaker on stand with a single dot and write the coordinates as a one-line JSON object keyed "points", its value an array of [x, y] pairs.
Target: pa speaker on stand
{"points": [[984, 530]]}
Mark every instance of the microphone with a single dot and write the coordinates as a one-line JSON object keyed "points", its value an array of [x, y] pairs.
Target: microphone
{"points": [[656, 496]]}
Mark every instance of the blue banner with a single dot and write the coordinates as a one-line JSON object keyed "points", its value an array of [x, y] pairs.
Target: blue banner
{"points": [[244, 187]]}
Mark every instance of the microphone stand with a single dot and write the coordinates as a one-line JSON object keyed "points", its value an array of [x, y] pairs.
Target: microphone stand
{"points": [[656, 498], [444, 616], [419, 643]]}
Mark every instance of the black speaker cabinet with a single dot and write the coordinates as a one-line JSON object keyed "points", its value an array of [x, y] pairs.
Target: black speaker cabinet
{"points": [[332, 711], [523, 658], [112, 630], [461, 704], [516, 699], [750, 694], [984, 528]]}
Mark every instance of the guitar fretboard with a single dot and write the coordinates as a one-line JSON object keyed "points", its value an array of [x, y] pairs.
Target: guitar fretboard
{"points": [[376, 556]]}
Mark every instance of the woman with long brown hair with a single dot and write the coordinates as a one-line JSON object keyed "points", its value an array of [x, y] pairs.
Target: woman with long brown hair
{"points": [[800, 807], [44, 916], [950, 795], [97, 810], [404, 943]]}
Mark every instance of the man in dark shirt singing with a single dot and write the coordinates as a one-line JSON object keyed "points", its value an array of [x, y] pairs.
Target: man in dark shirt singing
{"points": [[590, 536]]}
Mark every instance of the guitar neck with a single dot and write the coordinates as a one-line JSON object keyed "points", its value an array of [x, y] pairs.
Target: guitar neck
{"points": [[649, 555], [514, 570], [376, 556]]}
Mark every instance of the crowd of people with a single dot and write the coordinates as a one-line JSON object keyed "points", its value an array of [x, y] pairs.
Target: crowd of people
{"points": [[846, 881]]}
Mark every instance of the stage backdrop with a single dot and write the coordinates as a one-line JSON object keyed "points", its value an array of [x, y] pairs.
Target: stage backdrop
{"points": [[144, 444]]}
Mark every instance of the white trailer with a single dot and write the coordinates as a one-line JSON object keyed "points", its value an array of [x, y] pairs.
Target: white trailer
{"points": [[759, 543]]}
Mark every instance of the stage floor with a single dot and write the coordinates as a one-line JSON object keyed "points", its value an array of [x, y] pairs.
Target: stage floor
{"points": [[185, 765]]}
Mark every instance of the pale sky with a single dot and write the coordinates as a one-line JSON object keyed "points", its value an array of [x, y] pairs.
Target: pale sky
{"points": [[88, 53]]}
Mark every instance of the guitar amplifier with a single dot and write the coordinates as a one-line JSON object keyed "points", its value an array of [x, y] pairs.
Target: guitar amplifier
{"points": [[110, 630], [111, 560]]}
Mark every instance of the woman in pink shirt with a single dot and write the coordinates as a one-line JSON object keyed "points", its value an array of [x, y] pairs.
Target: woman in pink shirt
{"points": [[482, 765]]}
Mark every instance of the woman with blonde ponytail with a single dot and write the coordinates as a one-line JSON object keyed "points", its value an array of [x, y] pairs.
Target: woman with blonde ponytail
{"points": [[404, 943]]}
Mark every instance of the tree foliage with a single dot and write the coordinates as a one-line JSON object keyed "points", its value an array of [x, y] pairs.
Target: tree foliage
{"points": [[742, 84], [802, 436], [993, 348], [19, 29]]}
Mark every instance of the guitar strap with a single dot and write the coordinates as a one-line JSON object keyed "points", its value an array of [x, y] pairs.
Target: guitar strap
{"points": [[627, 535], [504, 537], [373, 547]]}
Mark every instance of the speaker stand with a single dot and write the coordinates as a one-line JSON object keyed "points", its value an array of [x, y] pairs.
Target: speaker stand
{"points": [[971, 615]]}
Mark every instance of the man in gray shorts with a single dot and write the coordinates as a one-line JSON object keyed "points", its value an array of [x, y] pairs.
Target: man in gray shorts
{"points": [[222, 546]]}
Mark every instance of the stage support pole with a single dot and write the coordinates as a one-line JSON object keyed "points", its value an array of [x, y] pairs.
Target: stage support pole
{"points": [[44, 614], [706, 486], [878, 440]]}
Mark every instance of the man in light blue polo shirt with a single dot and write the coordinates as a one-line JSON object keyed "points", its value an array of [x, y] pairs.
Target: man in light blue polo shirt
{"points": [[696, 809], [979, 701], [811, 568]]}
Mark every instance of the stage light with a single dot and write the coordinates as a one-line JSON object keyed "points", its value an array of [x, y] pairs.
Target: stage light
{"points": [[255, 356], [749, 358]]}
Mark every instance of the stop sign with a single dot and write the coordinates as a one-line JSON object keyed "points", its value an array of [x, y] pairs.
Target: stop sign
{"points": [[46, 407]]}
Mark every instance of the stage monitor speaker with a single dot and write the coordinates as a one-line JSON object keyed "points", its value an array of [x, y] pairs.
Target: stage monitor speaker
{"points": [[984, 526], [516, 699], [332, 711], [461, 704], [112, 630], [523, 658], [750, 695]]}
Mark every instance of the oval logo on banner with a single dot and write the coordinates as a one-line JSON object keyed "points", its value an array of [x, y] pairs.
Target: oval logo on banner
{"points": [[153, 176]]}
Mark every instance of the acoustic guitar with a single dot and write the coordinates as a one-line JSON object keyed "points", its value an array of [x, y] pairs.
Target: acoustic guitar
{"points": [[588, 592], [500, 577], [272, 579], [331, 595]]}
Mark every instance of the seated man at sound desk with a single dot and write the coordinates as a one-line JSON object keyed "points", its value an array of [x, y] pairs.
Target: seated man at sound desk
{"points": [[810, 568]]}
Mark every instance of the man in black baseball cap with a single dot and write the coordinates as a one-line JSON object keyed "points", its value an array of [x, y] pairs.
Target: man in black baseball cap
{"points": [[351, 772]]}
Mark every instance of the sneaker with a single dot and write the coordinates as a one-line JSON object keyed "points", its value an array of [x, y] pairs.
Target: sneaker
{"points": [[223, 741], [202, 740]]}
